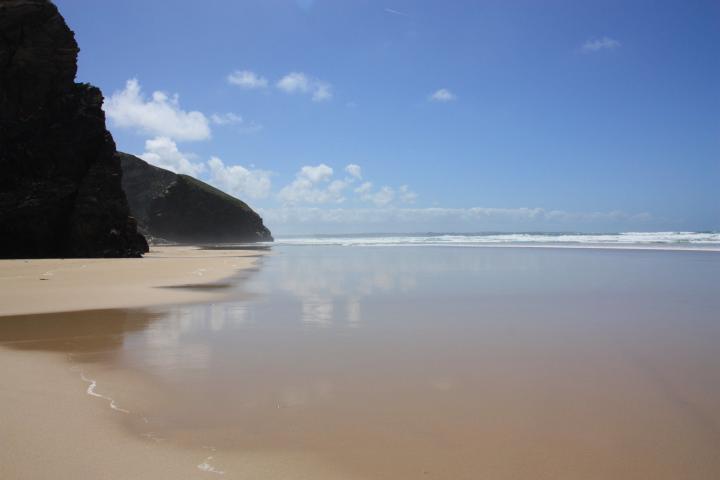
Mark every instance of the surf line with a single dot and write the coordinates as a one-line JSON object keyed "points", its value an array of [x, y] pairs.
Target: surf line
{"points": [[205, 465], [91, 391]]}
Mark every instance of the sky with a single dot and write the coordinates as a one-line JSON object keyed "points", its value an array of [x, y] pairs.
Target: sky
{"points": [[332, 116]]}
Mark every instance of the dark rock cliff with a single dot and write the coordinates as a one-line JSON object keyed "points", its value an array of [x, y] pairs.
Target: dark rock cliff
{"points": [[183, 209], [60, 181]]}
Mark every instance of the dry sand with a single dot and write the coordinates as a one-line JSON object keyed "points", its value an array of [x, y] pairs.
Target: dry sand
{"points": [[59, 285]]}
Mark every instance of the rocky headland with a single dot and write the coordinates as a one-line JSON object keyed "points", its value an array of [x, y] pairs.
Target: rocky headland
{"points": [[60, 187], [180, 208]]}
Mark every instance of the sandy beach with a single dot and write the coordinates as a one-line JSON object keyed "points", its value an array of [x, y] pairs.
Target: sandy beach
{"points": [[52, 428], [308, 240], [337, 363], [56, 421], [166, 275]]}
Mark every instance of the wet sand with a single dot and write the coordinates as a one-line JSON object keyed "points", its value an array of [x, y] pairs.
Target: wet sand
{"points": [[384, 364], [52, 285], [51, 428]]}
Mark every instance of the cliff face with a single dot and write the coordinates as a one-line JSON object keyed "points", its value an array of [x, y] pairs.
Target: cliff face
{"points": [[183, 209], [60, 181]]}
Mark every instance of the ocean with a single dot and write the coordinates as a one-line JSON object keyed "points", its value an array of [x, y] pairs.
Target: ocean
{"points": [[659, 240]]}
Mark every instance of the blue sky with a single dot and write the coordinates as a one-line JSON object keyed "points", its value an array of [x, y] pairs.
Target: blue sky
{"points": [[454, 116]]}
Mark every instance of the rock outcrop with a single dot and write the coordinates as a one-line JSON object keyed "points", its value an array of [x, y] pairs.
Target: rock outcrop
{"points": [[60, 181], [180, 208]]}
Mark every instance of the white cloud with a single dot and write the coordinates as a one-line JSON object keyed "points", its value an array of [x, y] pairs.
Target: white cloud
{"points": [[396, 12], [249, 127], [599, 44], [233, 179], [476, 219], [163, 152], [238, 180], [308, 187], [301, 190], [225, 118], [385, 195], [443, 95], [354, 170], [322, 92], [406, 195], [294, 82], [247, 79], [364, 188], [316, 185], [160, 115], [317, 173], [297, 82], [336, 187], [380, 198]]}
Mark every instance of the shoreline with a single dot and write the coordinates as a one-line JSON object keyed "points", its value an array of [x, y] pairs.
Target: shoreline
{"points": [[627, 247], [67, 426], [166, 275], [49, 397], [321, 377]]}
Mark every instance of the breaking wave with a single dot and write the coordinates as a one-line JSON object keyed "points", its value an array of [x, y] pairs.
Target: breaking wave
{"points": [[663, 240]]}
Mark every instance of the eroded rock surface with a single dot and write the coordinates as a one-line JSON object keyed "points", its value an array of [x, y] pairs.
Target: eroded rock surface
{"points": [[60, 180], [180, 208]]}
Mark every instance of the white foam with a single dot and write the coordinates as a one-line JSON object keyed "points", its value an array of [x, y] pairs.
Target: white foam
{"points": [[206, 467], [152, 436], [91, 391], [658, 240]]}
